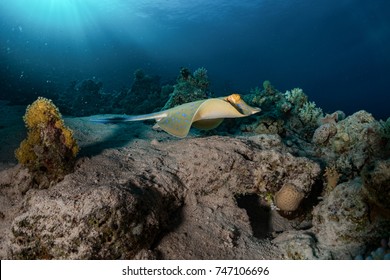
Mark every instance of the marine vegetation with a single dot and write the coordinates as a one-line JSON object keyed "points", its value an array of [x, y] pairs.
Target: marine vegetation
{"points": [[203, 114], [49, 151], [283, 112], [189, 88], [146, 94], [82, 98]]}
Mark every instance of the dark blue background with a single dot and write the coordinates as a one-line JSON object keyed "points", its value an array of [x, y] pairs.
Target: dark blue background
{"points": [[336, 50]]}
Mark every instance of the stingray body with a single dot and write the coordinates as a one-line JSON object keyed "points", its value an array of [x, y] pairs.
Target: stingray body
{"points": [[203, 114]]}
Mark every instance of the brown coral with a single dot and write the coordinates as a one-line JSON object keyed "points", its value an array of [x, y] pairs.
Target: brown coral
{"points": [[323, 133], [332, 178], [376, 178], [288, 198]]}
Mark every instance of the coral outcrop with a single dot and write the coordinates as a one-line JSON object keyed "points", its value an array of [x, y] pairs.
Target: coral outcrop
{"points": [[288, 198], [189, 88], [376, 178], [283, 113], [50, 149], [145, 95], [83, 98], [344, 223], [323, 133], [351, 143]]}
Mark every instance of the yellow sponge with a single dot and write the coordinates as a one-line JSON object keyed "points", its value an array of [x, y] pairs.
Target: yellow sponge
{"points": [[49, 149]]}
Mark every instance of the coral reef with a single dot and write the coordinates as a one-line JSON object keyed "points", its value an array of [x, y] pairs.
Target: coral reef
{"points": [[83, 98], [341, 221], [268, 98], [323, 133], [385, 133], [189, 87], [316, 185], [115, 222], [49, 151], [309, 114], [296, 97], [343, 225], [332, 177], [350, 143], [385, 128], [145, 95], [265, 125], [283, 112], [354, 207], [376, 178]]}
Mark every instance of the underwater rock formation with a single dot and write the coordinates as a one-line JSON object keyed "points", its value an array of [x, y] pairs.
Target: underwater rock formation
{"points": [[351, 143], [145, 95], [283, 112], [84, 98], [344, 223], [323, 133], [89, 221], [117, 204], [376, 178], [189, 87], [50, 149]]}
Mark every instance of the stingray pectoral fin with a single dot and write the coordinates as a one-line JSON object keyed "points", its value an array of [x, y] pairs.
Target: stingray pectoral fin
{"points": [[179, 119], [175, 131], [207, 124]]}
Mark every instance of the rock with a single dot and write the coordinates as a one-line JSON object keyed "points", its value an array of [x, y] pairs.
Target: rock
{"points": [[324, 132], [91, 218], [376, 178], [343, 221], [343, 226], [177, 199], [300, 245]]}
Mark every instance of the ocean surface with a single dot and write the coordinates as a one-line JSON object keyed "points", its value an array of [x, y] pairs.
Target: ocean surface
{"points": [[337, 51]]}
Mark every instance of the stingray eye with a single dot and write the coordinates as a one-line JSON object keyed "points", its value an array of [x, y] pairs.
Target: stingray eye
{"points": [[234, 98]]}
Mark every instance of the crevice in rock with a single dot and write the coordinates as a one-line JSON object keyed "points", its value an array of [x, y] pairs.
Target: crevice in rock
{"points": [[174, 221], [258, 213]]}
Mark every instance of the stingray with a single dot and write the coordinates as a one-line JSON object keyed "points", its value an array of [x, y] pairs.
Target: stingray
{"points": [[203, 114]]}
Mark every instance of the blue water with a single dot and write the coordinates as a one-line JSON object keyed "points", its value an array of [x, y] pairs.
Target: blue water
{"points": [[336, 50]]}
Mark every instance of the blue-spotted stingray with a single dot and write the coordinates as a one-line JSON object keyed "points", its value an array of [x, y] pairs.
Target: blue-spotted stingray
{"points": [[203, 114]]}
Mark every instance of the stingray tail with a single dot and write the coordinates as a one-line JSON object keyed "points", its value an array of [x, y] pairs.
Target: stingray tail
{"points": [[126, 118]]}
